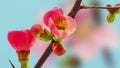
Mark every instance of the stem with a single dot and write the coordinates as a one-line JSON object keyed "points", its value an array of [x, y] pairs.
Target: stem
{"points": [[44, 56], [98, 7], [23, 57], [24, 65]]}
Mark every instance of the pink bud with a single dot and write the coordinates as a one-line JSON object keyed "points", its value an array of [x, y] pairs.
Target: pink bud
{"points": [[109, 5], [37, 30], [58, 49]]}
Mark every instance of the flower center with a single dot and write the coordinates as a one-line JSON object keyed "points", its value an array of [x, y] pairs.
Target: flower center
{"points": [[60, 23]]}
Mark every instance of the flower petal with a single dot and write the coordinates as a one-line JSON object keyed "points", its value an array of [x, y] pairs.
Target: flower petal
{"points": [[58, 10], [57, 33], [54, 13], [71, 25], [31, 39], [59, 49], [48, 15], [37, 29], [18, 40]]}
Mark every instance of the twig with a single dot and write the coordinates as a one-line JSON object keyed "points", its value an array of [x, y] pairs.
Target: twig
{"points": [[77, 7], [11, 64], [98, 7]]}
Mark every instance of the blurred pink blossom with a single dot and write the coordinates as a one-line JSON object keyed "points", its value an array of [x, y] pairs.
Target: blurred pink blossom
{"points": [[89, 38]]}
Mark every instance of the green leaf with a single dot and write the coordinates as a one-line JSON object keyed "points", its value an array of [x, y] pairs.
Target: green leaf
{"points": [[117, 11], [111, 18], [47, 37], [57, 40]]}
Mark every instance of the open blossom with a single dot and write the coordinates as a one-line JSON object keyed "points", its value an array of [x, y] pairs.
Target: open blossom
{"points": [[60, 25], [21, 40]]}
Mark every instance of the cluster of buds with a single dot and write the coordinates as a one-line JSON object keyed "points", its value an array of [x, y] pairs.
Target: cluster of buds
{"points": [[60, 26], [112, 13]]}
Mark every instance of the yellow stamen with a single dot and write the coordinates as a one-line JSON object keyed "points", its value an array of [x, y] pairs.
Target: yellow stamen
{"points": [[60, 23]]}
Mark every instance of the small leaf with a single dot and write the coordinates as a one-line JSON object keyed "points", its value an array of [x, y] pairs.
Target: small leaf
{"points": [[110, 18], [117, 11], [58, 49], [46, 37], [57, 40]]}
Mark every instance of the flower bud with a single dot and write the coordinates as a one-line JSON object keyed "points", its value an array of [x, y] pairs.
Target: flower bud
{"points": [[58, 49], [41, 33]]}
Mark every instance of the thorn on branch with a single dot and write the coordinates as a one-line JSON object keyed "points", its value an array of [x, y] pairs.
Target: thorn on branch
{"points": [[11, 64]]}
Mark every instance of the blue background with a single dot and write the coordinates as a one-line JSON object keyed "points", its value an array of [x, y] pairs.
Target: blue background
{"points": [[22, 14]]}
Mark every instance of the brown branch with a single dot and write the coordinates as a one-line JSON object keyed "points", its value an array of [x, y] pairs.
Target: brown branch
{"points": [[44, 56], [75, 8], [98, 7]]}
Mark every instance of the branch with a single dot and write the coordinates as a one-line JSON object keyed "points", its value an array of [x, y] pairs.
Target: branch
{"points": [[97, 7], [75, 8], [44, 56]]}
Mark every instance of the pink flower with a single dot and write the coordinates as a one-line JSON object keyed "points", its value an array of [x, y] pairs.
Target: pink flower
{"points": [[21, 40], [60, 25]]}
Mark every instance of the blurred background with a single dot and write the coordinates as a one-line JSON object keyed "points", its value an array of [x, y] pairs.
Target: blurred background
{"points": [[95, 44]]}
